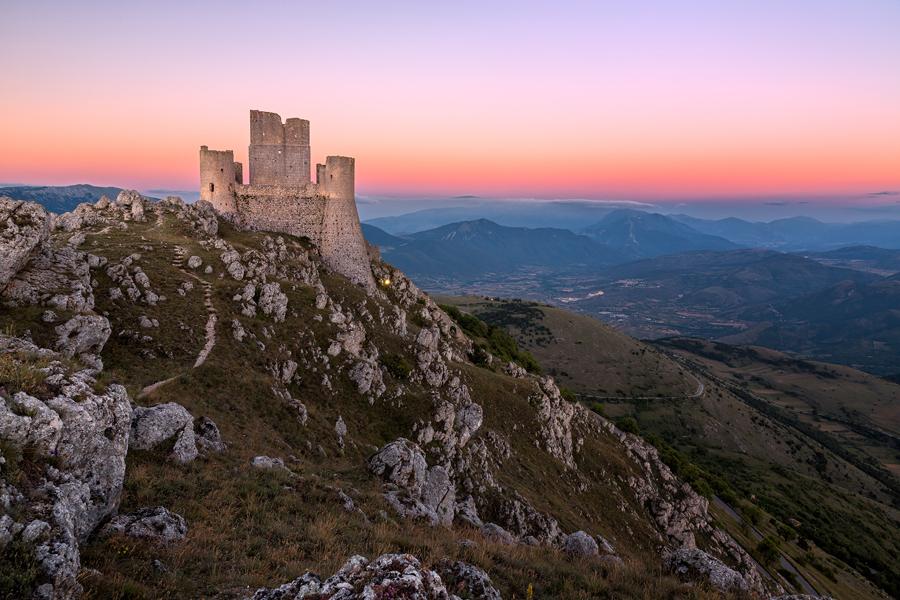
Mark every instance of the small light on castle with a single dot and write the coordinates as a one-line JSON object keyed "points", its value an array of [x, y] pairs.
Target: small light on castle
{"points": [[386, 281]]}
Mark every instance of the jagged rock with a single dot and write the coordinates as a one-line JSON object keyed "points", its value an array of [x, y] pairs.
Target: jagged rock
{"points": [[522, 519], [468, 421], [59, 277], [439, 494], [158, 424], [555, 415], [79, 439], [237, 330], [340, 428], [604, 545], [497, 534], [414, 490], [388, 576], [272, 301], [207, 435], [23, 227], [233, 264], [466, 581], [353, 339], [157, 525], [267, 462], [580, 545], [367, 376], [194, 262], [694, 564], [401, 463], [514, 370]]}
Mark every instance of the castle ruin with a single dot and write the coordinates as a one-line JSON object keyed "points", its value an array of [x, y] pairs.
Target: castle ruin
{"points": [[280, 196]]}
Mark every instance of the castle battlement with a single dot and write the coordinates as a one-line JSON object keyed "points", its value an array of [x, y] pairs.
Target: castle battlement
{"points": [[281, 197]]}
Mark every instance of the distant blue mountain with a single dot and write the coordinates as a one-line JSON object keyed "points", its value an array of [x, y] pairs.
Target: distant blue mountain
{"points": [[572, 215], [640, 234], [474, 248], [799, 233]]}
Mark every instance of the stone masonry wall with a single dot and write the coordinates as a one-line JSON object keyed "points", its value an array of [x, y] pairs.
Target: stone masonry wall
{"points": [[287, 209]]}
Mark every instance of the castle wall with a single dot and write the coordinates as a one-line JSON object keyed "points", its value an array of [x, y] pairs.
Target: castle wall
{"points": [[217, 179], [266, 164], [286, 209], [279, 152], [342, 245]]}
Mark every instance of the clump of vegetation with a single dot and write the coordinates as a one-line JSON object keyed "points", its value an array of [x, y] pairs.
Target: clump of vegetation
{"points": [[18, 570], [491, 339], [396, 365], [704, 483], [19, 374], [628, 425], [767, 551]]}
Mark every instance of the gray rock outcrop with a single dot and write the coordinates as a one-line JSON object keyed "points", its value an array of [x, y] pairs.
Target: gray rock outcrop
{"points": [[23, 227], [580, 545], [693, 564], [388, 576], [412, 488], [157, 425], [157, 525], [77, 439]]}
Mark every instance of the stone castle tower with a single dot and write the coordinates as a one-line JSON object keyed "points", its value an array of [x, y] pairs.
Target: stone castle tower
{"points": [[280, 196]]}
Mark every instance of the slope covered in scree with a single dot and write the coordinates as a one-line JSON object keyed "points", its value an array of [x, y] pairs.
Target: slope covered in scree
{"points": [[189, 410]]}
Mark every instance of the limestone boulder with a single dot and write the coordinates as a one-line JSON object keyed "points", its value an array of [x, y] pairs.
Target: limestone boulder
{"points": [[401, 463], [23, 227], [77, 439], [267, 463], [497, 534], [693, 564], [413, 489], [580, 545], [466, 581], [272, 301], [207, 435], [388, 576], [157, 425], [55, 277], [158, 525]]}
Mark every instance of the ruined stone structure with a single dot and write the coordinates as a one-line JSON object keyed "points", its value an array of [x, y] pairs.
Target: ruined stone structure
{"points": [[280, 196]]}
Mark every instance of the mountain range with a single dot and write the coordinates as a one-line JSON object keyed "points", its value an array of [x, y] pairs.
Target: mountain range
{"points": [[799, 233], [477, 247], [59, 199]]}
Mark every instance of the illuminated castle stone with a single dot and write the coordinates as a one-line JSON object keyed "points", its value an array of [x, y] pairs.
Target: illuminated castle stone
{"points": [[281, 198]]}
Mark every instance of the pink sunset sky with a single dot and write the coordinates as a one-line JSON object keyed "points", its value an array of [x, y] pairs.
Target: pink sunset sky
{"points": [[627, 100]]}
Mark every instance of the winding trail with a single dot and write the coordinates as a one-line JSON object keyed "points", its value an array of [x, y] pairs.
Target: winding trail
{"points": [[210, 328]]}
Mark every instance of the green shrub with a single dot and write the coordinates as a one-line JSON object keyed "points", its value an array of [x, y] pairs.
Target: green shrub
{"points": [[767, 550], [628, 424], [18, 570], [396, 365]]}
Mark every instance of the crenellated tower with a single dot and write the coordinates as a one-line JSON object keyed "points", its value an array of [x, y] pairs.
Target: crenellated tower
{"points": [[280, 196]]}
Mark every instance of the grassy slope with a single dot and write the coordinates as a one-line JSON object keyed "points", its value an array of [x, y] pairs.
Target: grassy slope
{"points": [[792, 475], [249, 528], [581, 352]]}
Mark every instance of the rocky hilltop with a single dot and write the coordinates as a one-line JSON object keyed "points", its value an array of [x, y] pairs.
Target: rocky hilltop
{"points": [[189, 410]]}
